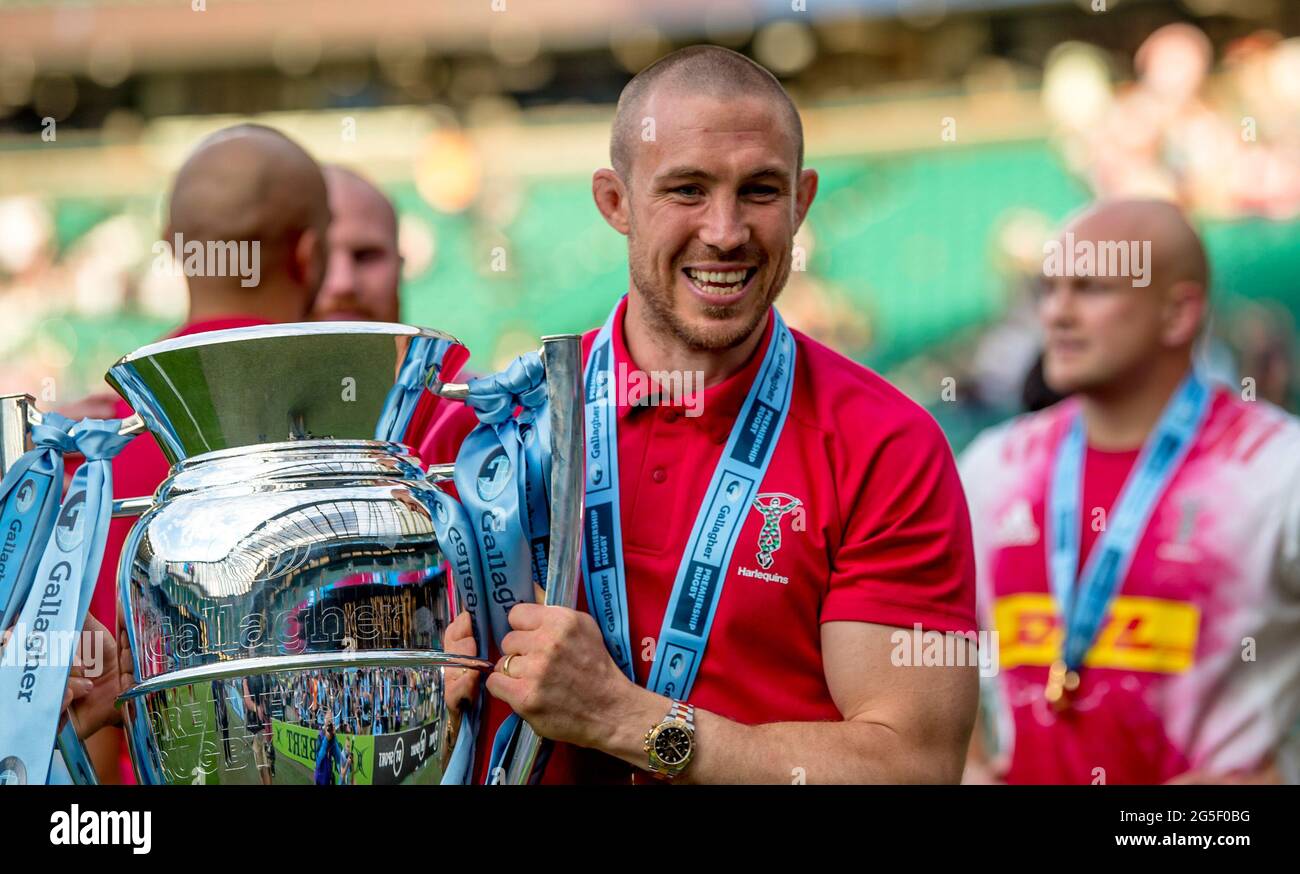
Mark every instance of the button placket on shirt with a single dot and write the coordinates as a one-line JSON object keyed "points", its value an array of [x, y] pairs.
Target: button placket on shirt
{"points": [[665, 426], [666, 446]]}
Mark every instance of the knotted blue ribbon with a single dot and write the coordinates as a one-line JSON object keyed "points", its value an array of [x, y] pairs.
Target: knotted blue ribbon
{"points": [[503, 477], [492, 474], [57, 598], [497, 535], [29, 502]]}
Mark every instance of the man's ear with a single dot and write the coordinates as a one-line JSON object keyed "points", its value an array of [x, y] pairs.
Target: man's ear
{"points": [[611, 197], [1186, 309], [307, 266], [803, 196]]}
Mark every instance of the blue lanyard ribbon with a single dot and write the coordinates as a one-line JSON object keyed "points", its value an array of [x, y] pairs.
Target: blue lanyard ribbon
{"points": [[58, 596], [497, 535], [1084, 601], [702, 572]]}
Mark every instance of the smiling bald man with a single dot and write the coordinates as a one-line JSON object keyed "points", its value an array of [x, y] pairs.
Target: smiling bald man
{"points": [[749, 570]]}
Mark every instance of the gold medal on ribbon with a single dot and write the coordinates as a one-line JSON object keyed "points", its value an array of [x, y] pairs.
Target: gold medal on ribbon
{"points": [[1060, 682]]}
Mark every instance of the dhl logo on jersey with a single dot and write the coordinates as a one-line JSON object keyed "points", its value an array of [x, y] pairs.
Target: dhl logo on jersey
{"points": [[1139, 634]]}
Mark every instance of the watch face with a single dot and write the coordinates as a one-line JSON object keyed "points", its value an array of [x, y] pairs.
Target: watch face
{"points": [[673, 745]]}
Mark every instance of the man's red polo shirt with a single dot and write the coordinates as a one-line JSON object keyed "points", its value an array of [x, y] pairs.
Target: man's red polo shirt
{"points": [[881, 534]]}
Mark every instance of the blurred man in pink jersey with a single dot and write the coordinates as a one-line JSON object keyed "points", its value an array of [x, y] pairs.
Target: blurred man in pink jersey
{"points": [[1138, 544]]}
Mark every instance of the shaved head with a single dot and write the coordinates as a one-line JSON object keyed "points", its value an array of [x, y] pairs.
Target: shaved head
{"points": [[697, 70], [361, 193], [1177, 254], [251, 183], [1105, 330]]}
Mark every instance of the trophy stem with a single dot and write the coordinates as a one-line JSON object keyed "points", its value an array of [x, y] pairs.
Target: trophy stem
{"points": [[562, 355], [14, 413]]}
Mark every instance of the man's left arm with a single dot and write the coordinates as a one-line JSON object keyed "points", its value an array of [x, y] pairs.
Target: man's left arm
{"points": [[901, 724]]}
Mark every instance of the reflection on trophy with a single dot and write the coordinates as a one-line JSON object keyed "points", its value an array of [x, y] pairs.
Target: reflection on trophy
{"points": [[285, 593]]}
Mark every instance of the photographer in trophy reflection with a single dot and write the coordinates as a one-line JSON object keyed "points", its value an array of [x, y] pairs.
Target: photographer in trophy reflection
{"points": [[329, 754], [796, 682], [245, 184]]}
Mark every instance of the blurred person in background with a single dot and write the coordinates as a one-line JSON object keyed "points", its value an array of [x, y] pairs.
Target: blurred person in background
{"points": [[364, 275], [1136, 542], [1262, 334], [246, 183]]}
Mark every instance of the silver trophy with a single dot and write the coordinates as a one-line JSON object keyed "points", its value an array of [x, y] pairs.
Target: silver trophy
{"points": [[283, 588]]}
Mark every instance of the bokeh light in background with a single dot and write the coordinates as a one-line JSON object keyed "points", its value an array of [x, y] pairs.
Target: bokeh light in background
{"points": [[485, 127]]}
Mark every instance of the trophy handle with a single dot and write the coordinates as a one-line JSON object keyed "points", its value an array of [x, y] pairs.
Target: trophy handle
{"points": [[562, 357]]}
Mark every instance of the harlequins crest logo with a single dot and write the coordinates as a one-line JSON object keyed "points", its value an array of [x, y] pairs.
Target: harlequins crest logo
{"points": [[773, 506]]}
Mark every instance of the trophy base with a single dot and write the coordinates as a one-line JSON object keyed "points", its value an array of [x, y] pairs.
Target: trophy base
{"points": [[387, 725]]}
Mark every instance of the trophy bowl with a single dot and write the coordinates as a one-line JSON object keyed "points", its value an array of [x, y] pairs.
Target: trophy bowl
{"points": [[284, 591]]}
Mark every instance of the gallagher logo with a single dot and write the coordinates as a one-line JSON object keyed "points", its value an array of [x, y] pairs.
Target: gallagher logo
{"points": [[494, 474], [68, 530], [26, 496], [12, 771]]}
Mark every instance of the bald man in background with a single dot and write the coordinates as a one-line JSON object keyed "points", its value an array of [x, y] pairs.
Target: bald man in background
{"points": [[244, 184], [1171, 653], [365, 268]]}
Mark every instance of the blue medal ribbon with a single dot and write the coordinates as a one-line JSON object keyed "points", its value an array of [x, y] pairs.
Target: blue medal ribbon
{"points": [[55, 606], [1083, 601], [702, 572]]}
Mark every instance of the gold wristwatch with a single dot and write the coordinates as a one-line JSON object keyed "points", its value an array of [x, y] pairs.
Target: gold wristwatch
{"points": [[671, 744]]}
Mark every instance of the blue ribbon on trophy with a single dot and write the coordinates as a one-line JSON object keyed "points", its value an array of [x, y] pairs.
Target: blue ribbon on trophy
{"points": [[502, 477], [423, 358], [496, 536], [56, 566]]}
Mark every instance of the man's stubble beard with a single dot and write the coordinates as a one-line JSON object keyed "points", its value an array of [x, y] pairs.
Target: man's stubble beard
{"points": [[659, 301]]}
